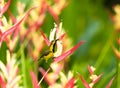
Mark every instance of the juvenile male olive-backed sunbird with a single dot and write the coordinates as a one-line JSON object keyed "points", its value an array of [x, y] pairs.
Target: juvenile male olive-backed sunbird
{"points": [[50, 52]]}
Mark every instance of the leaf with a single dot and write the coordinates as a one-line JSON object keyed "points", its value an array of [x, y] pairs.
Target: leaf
{"points": [[3, 49]]}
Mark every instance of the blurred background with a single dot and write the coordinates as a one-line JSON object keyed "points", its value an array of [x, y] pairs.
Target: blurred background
{"points": [[89, 20]]}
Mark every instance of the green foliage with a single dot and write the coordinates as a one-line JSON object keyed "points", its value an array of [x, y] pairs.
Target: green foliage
{"points": [[3, 52], [82, 20]]}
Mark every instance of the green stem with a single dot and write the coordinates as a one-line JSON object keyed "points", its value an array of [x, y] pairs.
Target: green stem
{"points": [[118, 78], [106, 77], [102, 55], [118, 68], [23, 67]]}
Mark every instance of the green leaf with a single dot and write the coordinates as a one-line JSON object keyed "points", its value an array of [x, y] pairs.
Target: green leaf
{"points": [[3, 50]]}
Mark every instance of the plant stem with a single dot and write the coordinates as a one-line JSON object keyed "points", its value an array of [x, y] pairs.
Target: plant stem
{"points": [[118, 67], [106, 77], [102, 55], [118, 78], [23, 67]]}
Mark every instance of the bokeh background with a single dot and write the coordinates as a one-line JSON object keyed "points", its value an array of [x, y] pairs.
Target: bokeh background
{"points": [[88, 20]]}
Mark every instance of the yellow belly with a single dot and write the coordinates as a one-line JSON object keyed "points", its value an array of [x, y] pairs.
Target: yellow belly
{"points": [[50, 55]]}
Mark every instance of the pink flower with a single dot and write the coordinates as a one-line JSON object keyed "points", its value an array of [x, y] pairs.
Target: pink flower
{"points": [[3, 8], [13, 28], [110, 83], [2, 82], [34, 80], [94, 78], [70, 83], [9, 77]]}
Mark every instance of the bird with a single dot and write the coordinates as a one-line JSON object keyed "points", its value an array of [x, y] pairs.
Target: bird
{"points": [[49, 53]]}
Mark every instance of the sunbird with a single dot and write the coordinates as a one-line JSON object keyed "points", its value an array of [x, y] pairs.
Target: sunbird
{"points": [[51, 50]]}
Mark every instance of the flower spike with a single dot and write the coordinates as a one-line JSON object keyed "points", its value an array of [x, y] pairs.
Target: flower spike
{"points": [[9, 31], [61, 57]]}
